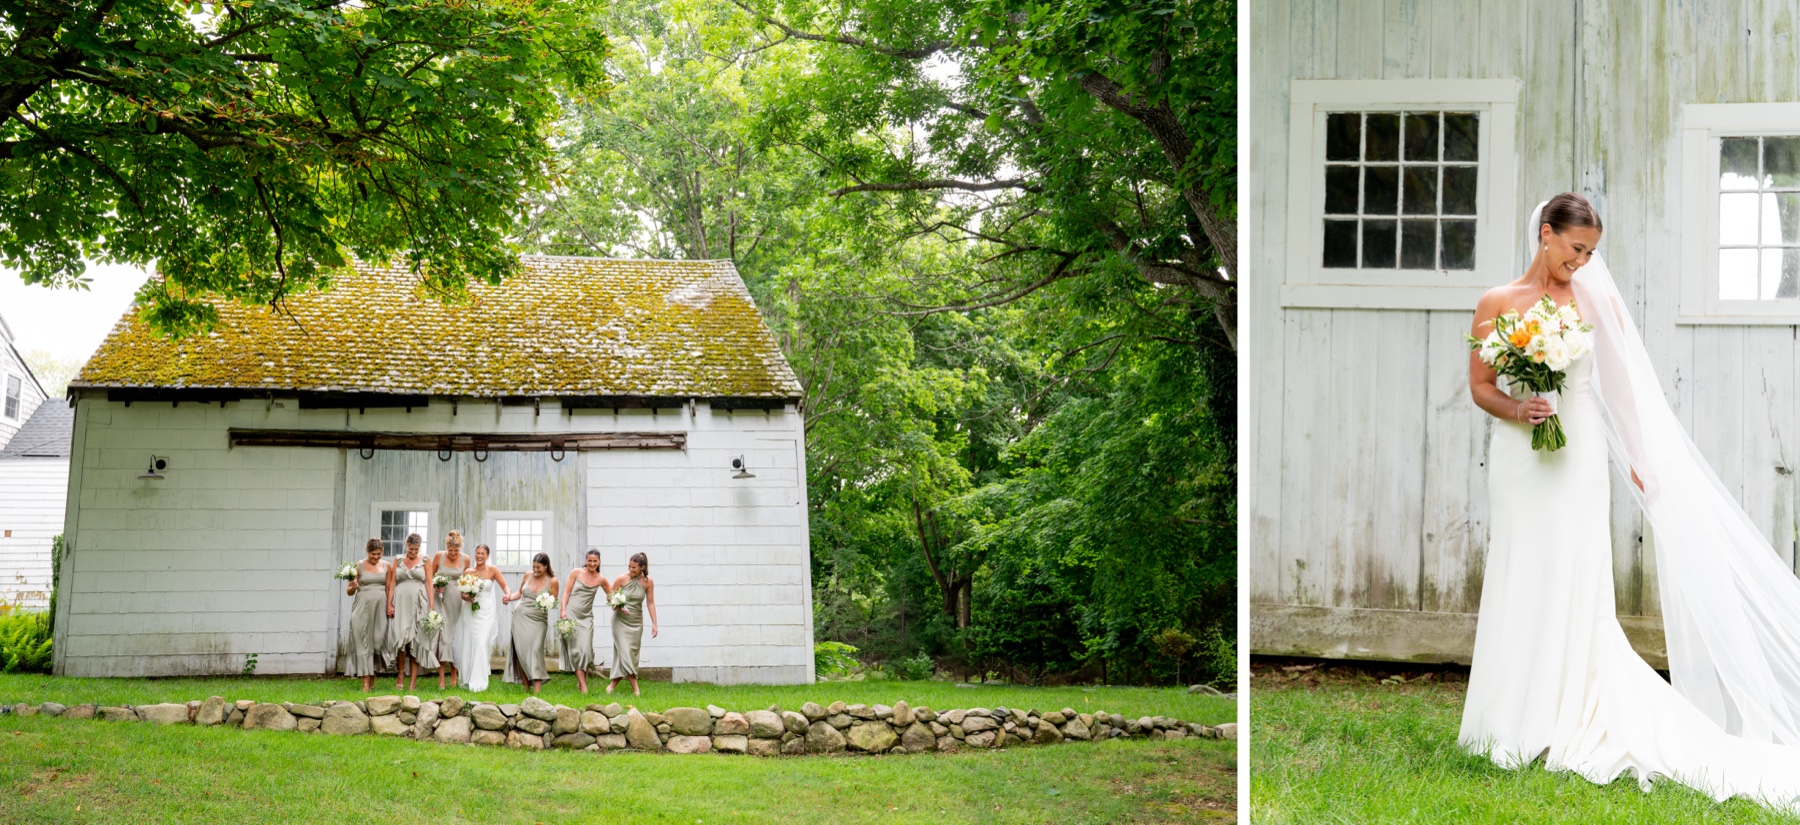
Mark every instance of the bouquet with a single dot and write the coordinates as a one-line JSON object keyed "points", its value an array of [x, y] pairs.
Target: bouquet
{"points": [[618, 601], [1534, 352], [470, 585], [565, 627], [433, 621], [347, 572], [545, 601], [440, 581]]}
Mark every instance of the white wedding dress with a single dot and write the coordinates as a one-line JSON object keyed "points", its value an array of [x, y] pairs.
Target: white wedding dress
{"points": [[1553, 675], [475, 637]]}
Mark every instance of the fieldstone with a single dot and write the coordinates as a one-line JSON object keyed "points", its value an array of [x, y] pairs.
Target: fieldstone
{"points": [[938, 730], [383, 705], [680, 743], [488, 737], [533, 726], [266, 716], [884, 712], [764, 724], [715, 711], [84, 711], [841, 721], [917, 738], [1055, 717], [538, 709], [1132, 727], [688, 721], [654, 717], [235, 718], [946, 744], [1087, 719], [639, 733], [1228, 730], [594, 723], [457, 731], [874, 737], [663, 730], [836, 707], [1068, 713], [610, 741], [763, 747], [902, 715], [410, 704], [954, 717], [451, 706], [795, 722], [510, 710], [53, 709], [791, 735], [167, 713], [977, 724], [897, 750], [22, 709], [515, 739], [860, 711], [407, 718], [730, 742], [1047, 734], [1174, 733], [1209, 690], [731, 724], [574, 741], [1009, 726], [488, 717], [981, 712], [568, 720], [1019, 717], [613, 709], [924, 714], [957, 731], [1076, 729], [794, 747], [823, 738], [308, 711], [985, 739], [813, 712], [1148, 722], [345, 719], [429, 719], [389, 725], [306, 724], [617, 724], [244, 704]]}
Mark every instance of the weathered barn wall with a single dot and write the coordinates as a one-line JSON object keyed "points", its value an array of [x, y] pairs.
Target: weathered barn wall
{"points": [[1369, 507]]}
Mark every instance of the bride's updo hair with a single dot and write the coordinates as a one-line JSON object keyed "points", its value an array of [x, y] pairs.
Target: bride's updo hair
{"points": [[454, 540], [1569, 209]]}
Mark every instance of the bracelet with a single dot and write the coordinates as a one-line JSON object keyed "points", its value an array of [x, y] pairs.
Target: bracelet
{"points": [[1519, 413]]}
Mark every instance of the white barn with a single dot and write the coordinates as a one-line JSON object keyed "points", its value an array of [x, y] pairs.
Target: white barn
{"points": [[582, 403], [1400, 145]]}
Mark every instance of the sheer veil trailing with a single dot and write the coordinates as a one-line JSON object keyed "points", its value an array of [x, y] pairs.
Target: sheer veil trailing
{"points": [[1731, 605]]}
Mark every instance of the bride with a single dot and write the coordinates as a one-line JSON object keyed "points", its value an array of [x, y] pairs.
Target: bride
{"points": [[475, 634], [1553, 675]]}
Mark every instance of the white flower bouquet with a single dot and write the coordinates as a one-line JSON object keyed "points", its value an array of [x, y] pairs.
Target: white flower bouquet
{"points": [[545, 601], [433, 621], [618, 601], [1534, 351], [440, 581], [565, 627], [347, 572], [470, 585]]}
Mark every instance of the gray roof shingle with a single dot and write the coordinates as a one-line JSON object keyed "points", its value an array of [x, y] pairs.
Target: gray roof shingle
{"points": [[46, 434]]}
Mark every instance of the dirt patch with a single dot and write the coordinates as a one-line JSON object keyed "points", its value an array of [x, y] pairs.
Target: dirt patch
{"points": [[54, 782], [1276, 673], [1187, 785]]}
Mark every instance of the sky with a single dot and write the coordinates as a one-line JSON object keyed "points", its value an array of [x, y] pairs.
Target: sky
{"points": [[67, 323]]}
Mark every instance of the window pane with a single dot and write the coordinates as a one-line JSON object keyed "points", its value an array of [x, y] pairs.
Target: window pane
{"points": [[1459, 190], [1421, 190], [1461, 136], [1422, 137], [1340, 190], [1769, 276], [1340, 244], [1781, 161], [1788, 285], [1737, 219], [1781, 218], [1737, 163], [1383, 137], [1457, 250], [1378, 244], [1343, 136], [1418, 245], [1381, 190], [1737, 274]]}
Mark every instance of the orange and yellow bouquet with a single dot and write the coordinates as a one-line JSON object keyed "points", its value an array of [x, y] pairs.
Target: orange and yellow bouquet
{"points": [[1534, 351]]}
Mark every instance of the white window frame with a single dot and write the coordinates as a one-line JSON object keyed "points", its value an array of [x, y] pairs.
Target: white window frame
{"points": [[489, 530], [1702, 126], [6, 379], [1309, 283], [432, 523]]}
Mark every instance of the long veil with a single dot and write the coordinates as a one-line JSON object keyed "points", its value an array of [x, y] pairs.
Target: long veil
{"points": [[1731, 606]]}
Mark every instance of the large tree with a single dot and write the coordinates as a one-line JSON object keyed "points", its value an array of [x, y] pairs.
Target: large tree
{"points": [[249, 148]]}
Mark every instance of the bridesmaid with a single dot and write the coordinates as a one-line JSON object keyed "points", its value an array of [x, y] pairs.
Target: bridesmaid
{"points": [[450, 563], [578, 647], [628, 621], [530, 626], [410, 603], [368, 627]]}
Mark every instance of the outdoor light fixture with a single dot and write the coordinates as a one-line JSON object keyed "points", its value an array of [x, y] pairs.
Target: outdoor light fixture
{"points": [[156, 466], [743, 469]]}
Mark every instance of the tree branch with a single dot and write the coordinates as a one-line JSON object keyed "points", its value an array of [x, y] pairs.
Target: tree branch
{"points": [[939, 183], [908, 53]]}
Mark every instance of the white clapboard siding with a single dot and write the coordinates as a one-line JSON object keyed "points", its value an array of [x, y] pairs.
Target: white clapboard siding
{"points": [[30, 395], [32, 493], [1369, 500]]}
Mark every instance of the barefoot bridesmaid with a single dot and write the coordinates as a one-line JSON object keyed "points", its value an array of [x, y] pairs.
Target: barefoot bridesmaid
{"points": [[368, 620]]}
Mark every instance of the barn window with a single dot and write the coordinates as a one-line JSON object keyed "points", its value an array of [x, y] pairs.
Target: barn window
{"points": [[1400, 193], [14, 387], [1741, 253], [516, 540], [396, 525]]}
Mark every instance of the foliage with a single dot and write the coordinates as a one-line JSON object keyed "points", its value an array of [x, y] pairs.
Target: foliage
{"points": [[249, 664], [248, 148], [833, 657], [57, 549], [1219, 660], [52, 372], [25, 643], [1175, 644], [915, 669]]}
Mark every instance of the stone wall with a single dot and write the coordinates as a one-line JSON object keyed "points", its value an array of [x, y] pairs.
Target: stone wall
{"points": [[537, 724]]}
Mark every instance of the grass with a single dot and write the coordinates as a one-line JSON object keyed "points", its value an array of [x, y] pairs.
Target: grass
{"points": [[1130, 701], [55, 770], [1335, 744]]}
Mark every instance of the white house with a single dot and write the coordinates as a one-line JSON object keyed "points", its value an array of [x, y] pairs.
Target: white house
{"points": [[217, 481], [20, 392], [34, 479], [1399, 149]]}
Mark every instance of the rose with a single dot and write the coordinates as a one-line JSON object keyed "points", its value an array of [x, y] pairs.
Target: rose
{"points": [[1556, 354]]}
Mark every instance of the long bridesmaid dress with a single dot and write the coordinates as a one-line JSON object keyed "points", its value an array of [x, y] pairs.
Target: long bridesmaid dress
{"points": [[628, 630], [578, 647], [410, 606], [530, 632], [368, 625]]}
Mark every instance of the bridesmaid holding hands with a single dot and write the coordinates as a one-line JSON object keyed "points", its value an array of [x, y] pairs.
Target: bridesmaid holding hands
{"points": [[409, 602], [578, 647], [373, 587], [530, 626], [628, 621], [452, 563]]}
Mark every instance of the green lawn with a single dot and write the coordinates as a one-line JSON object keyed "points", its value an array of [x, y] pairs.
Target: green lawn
{"points": [[1132, 702], [54, 770], [1339, 746]]}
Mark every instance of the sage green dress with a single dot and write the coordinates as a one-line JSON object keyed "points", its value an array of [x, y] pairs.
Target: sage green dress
{"points": [[451, 606], [628, 630], [578, 647], [530, 632], [368, 624], [411, 604]]}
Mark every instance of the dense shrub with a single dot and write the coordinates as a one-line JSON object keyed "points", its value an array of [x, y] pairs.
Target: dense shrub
{"points": [[25, 643]]}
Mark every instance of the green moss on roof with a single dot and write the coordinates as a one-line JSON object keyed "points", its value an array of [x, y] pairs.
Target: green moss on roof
{"points": [[562, 326]]}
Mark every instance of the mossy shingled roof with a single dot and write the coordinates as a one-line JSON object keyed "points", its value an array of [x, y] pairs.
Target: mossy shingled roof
{"points": [[561, 327]]}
